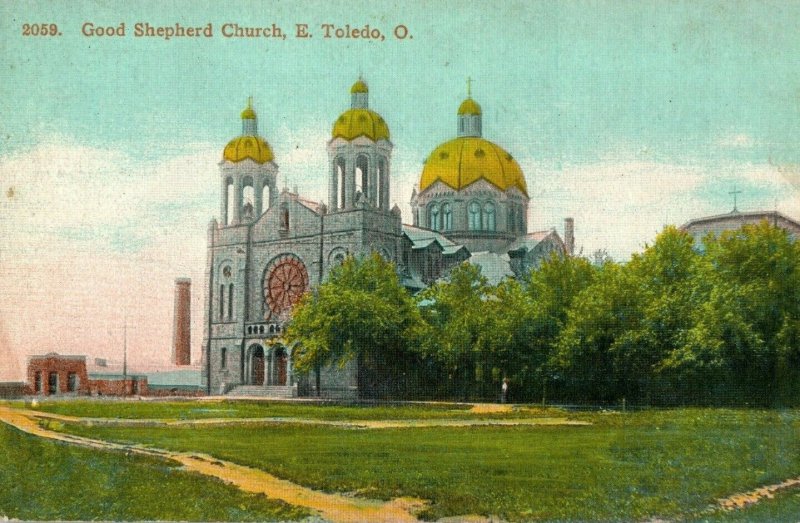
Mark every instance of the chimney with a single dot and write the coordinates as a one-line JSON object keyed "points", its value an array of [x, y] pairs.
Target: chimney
{"points": [[569, 235], [181, 328]]}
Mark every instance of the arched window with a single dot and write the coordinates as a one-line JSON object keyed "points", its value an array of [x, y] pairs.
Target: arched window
{"points": [[339, 189], [222, 301], [447, 217], [474, 215], [248, 201], [381, 183], [230, 201], [223, 358], [284, 218], [265, 197], [512, 227], [434, 217], [362, 175], [230, 301], [521, 218], [489, 221]]}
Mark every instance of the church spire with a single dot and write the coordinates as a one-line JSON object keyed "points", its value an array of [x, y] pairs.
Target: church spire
{"points": [[249, 120], [469, 115], [359, 94]]}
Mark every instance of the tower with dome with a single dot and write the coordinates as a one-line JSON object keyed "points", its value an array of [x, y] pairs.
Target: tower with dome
{"points": [[268, 247]]}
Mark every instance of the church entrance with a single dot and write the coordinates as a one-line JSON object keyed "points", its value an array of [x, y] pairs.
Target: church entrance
{"points": [[257, 366], [280, 363]]}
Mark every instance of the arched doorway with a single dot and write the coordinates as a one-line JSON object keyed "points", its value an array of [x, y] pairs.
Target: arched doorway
{"points": [[281, 365], [257, 365]]}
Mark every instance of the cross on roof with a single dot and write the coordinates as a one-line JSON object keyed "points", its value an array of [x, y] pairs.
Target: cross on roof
{"points": [[469, 87], [735, 192]]}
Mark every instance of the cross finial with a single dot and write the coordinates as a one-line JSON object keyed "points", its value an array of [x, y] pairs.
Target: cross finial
{"points": [[735, 192], [249, 102], [469, 87]]}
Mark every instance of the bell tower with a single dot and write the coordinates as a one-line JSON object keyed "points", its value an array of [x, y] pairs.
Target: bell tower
{"points": [[359, 153], [248, 174]]}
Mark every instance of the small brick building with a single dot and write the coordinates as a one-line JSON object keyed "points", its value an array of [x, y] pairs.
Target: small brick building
{"points": [[58, 374]]}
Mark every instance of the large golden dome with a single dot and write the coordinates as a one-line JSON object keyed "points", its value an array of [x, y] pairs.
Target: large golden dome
{"points": [[360, 122], [467, 159], [248, 147]]}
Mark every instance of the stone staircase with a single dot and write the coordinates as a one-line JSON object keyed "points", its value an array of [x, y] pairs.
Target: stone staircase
{"points": [[264, 391]]}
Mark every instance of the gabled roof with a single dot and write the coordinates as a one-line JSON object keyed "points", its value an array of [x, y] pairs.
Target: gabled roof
{"points": [[532, 239], [422, 238]]}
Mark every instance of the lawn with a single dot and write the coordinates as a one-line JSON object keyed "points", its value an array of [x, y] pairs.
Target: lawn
{"points": [[45, 480], [127, 409], [632, 466]]}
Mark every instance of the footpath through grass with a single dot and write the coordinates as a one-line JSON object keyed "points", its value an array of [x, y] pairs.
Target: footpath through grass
{"points": [[188, 410], [45, 480], [624, 467]]}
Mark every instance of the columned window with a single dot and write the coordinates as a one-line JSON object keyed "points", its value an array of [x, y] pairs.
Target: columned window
{"points": [[474, 216], [489, 222], [434, 224], [447, 217]]}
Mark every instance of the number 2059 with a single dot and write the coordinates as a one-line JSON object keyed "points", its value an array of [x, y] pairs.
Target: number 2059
{"points": [[40, 30]]}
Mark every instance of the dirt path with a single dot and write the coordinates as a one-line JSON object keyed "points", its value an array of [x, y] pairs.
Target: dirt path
{"points": [[356, 424], [332, 507], [745, 499]]}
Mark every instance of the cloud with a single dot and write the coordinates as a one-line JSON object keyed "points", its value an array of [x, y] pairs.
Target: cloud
{"points": [[92, 234], [736, 141]]}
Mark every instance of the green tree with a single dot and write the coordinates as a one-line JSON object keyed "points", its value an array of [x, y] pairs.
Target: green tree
{"points": [[551, 290], [454, 312], [361, 312]]}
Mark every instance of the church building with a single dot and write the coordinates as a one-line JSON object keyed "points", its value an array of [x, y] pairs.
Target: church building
{"points": [[267, 248]]}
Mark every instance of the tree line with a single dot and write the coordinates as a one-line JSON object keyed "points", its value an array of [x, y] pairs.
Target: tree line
{"points": [[675, 325]]}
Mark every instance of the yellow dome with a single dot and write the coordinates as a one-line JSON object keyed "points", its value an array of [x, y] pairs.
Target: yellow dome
{"points": [[252, 147], [465, 160], [248, 114], [469, 106], [359, 87], [360, 122]]}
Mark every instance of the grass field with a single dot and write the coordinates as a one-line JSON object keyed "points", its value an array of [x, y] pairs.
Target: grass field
{"points": [[43, 480], [634, 466], [259, 409]]}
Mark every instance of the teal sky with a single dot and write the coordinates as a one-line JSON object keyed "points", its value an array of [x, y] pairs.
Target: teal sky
{"points": [[624, 115], [580, 80]]}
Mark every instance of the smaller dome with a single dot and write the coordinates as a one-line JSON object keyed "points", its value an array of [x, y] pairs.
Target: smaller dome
{"points": [[249, 113], [248, 147], [469, 107], [359, 87], [360, 122]]}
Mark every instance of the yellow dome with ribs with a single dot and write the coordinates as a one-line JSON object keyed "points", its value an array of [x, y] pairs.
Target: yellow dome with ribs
{"points": [[465, 160], [248, 147], [360, 122]]}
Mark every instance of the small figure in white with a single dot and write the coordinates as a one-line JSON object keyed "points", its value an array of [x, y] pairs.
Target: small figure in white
{"points": [[504, 389]]}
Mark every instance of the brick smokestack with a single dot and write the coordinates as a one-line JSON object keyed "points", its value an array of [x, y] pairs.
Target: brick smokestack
{"points": [[181, 328], [569, 235]]}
